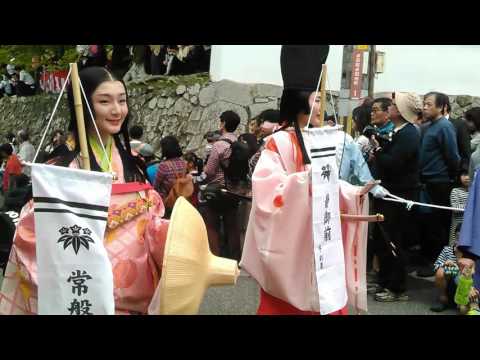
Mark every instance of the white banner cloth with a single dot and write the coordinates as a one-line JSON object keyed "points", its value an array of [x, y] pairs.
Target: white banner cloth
{"points": [[74, 272], [327, 231]]}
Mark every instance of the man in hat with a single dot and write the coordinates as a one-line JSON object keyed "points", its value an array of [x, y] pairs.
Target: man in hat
{"points": [[281, 212], [397, 167]]}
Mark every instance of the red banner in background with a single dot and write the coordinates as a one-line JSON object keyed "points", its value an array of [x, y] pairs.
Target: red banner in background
{"points": [[357, 76], [52, 81]]}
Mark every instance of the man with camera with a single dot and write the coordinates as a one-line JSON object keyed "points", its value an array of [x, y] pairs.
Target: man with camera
{"points": [[397, 164], [381, 117], [381, 126]]}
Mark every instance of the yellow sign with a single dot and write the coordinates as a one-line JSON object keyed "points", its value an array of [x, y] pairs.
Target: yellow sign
{"points": [[362, 47]]}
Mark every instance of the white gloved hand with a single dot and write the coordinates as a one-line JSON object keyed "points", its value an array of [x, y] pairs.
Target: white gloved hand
{"points": [[379, 192]]}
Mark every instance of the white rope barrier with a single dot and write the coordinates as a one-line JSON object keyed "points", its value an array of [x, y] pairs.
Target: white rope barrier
{"points": [[410, 204]]}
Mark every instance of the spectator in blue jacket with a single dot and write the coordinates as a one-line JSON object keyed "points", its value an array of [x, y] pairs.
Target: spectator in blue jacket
{"points": [[439, 165]]}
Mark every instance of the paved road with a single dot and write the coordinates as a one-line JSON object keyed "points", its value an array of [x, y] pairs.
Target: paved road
{"points": [[242, 299]]}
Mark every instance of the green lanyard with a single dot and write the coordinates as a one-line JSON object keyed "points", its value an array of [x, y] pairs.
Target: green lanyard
{"points": [[97, 150]]}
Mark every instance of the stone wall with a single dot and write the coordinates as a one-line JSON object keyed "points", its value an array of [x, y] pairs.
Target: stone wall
{"points": [[462, 103], [186, 107], [181, 107]]}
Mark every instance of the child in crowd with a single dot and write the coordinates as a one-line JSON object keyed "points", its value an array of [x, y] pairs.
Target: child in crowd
{"points": [[446, 277], [446, 265]]}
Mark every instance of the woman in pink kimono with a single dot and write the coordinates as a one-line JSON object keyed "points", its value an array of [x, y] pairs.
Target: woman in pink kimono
{"points": [[278, 250], [135, 234]]}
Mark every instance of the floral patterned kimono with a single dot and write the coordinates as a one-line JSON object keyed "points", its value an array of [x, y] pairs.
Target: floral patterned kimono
{"points": [[134, 240]]}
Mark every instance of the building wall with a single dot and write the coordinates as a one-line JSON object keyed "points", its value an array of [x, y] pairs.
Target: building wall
{"points": [[183, 107]]}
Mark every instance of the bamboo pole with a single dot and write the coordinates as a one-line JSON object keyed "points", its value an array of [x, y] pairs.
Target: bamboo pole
{"points": [[323, 95], [82, 135]]}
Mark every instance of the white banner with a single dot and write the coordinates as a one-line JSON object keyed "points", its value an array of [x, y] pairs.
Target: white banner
{"points": [[74, 272], [327, 231]]}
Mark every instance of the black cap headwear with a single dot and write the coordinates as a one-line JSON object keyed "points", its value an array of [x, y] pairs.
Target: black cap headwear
{"points": [[301, 67]]}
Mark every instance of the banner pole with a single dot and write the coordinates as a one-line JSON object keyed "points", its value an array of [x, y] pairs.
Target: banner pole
{"points": [[323, 95], [82, 135]]}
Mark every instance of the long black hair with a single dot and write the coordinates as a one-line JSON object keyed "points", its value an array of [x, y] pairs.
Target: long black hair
{"points": [[293, 103], [91, 78], [473, 115], [251, 141], [362, 116], [170, 148]]}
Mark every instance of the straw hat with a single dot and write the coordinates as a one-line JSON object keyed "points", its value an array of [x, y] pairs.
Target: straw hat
{"points": [[409, 105], [189, 267]]}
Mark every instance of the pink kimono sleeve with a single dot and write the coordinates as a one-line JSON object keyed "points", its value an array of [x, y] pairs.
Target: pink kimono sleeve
{"points": [[18, 295], [155, 239], [278, 249]]}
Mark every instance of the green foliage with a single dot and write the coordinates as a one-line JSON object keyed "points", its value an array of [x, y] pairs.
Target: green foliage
{"points": [[51, 56], [69, 56]]}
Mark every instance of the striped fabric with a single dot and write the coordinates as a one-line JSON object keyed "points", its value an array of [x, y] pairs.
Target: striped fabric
{"points": [[167, 174], [220, 153], [318, 153], [56, 205], [448, 253], [458, 199]]}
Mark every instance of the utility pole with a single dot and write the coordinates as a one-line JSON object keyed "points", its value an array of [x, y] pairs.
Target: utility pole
{"points": [[344, 103], [372, 61]]}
